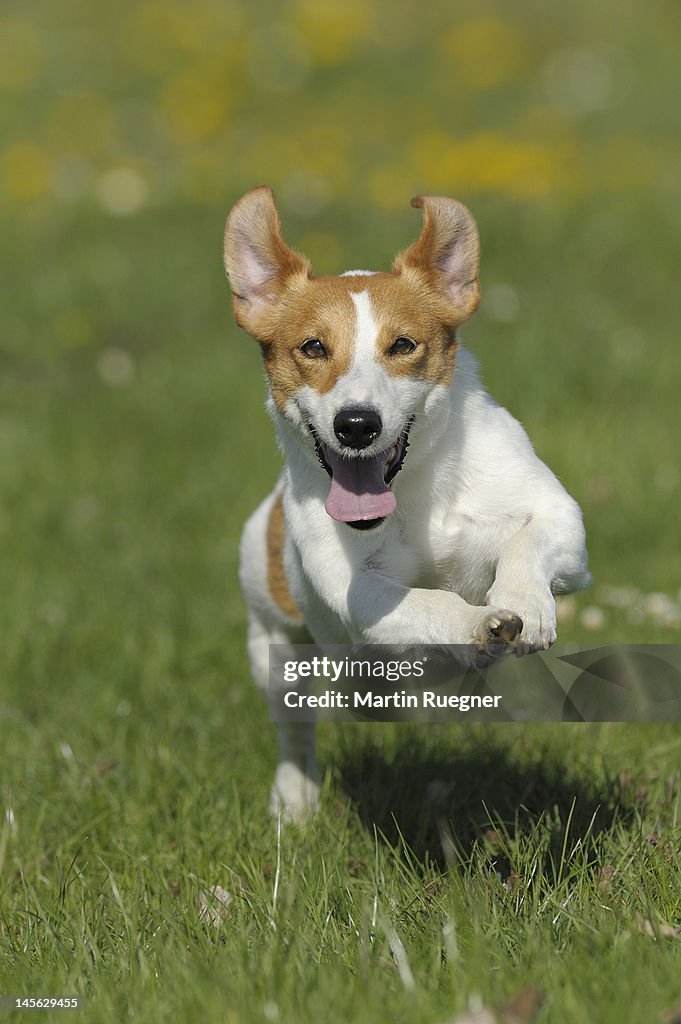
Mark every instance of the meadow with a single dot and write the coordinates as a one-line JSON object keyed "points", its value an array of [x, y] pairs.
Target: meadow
{"points": [[450, 867]]}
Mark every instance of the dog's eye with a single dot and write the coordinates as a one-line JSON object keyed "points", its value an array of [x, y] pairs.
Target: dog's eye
{"points": [[313, 349], [402, 347]]}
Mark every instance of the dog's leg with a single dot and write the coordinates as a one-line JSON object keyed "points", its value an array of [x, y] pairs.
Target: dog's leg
{"points": [[295, 792], [376, 609], [385, 612], [546, 557]]}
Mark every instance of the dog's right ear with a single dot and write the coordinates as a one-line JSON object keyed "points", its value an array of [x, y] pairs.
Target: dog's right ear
{"points": [[257, 260], [447, 252]]}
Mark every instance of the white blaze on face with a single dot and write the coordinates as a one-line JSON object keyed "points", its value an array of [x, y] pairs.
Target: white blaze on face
{"points": [[358, 488], [366, 331], [358, 386]]}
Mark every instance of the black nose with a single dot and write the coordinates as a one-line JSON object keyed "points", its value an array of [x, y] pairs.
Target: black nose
{"points": [[357, 427]]}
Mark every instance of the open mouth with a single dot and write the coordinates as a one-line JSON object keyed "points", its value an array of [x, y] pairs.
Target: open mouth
{"points": [[360, 492]]}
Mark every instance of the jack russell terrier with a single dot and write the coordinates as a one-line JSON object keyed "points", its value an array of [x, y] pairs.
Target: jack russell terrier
{"points": [[412, 508]]}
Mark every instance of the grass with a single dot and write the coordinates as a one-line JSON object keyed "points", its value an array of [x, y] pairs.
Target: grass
{"points": [[448, 864], [116, 842], [132, 791]]}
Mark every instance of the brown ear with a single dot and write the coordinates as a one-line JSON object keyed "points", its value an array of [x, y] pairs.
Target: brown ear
{"points": [[447, 251], [257, 260]]}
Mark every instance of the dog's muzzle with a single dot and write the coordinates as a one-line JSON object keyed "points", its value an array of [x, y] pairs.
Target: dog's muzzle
{"points": [[360, 492]]}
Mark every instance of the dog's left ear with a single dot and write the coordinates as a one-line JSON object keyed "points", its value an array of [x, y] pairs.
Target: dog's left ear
{"points": [[257, 259], [447, 251]]}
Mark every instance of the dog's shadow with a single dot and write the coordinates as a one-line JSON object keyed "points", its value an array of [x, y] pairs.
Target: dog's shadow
{"points": [[444, 803]]}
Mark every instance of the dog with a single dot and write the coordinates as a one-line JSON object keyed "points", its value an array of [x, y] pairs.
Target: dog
{"points": [[412, 507]]}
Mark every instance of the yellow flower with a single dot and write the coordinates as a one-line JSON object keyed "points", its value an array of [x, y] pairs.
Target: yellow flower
{"points": [[485, 51], [490, 162], [316, 149], [391, 186], [196, 104], [25, 171], [331, 29]]}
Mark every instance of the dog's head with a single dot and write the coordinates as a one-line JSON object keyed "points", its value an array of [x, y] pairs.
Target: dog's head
{"points": [[354, 360]]}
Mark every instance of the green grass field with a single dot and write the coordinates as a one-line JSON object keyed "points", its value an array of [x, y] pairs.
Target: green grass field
{"points": [[448, 865]]}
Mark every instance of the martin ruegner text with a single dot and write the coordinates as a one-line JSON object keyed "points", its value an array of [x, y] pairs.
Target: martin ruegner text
{"points": [[358, 699]]}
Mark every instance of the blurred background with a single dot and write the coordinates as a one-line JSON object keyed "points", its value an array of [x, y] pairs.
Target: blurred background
{"points": [[134, 443], [133, 440]]}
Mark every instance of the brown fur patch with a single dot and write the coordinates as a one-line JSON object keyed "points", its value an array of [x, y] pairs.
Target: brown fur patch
{"points": [[276, 573], [405, 306], [317, 307], [321, 307]]}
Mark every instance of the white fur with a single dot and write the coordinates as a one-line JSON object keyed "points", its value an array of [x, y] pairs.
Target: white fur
{"points": [[482, 529], [366, 333]]}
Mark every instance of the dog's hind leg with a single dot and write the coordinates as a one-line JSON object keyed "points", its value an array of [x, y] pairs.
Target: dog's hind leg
{"points": [[273, 618], [295, 792]]}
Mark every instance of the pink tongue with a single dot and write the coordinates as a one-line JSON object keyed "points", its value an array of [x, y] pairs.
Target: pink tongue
{"points": [[358, 488]]}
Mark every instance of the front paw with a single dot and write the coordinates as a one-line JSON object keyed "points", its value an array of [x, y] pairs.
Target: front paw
{"points": [[538, 612], [494, 636]]}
